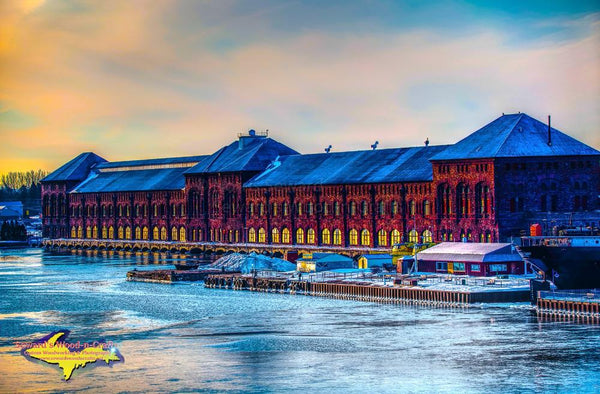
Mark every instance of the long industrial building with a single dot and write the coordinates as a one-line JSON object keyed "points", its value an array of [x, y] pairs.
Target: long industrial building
{"points": [[490, 186]]}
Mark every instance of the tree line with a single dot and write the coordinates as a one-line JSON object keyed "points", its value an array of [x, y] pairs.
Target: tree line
{"points": [[24, 179], [25, 187]]}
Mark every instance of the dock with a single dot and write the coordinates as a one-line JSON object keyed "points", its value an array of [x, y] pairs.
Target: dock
{"points": [[169, 276], [364, 291], [569, 304]]}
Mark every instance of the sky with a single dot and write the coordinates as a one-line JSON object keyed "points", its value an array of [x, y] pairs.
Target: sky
{"points": [[141, 79]]}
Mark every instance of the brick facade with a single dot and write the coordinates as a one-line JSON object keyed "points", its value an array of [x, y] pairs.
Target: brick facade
{"points": [[480, 199]]}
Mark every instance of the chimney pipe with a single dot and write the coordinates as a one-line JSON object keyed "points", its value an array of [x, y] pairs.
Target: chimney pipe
{"points": [[549, 132]]}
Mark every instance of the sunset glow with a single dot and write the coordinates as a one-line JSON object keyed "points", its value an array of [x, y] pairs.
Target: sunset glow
{"points": [[140, 79]]}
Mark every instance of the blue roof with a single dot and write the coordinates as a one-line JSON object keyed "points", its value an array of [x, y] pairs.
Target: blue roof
{"points": [[151, 162], [515, 135], [373, 166], [133, 180], [248, 154], [76, 169]]}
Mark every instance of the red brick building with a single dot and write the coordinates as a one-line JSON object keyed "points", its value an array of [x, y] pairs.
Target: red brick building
{"points": [[487, 187]]}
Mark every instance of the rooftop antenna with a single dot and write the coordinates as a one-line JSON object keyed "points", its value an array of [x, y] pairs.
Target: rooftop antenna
{"points": [[328, 149], [549, 132], [427, 142], [374, 146]]}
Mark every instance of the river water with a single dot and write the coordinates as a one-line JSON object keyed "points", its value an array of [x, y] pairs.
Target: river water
{"points": [[186, 338]]}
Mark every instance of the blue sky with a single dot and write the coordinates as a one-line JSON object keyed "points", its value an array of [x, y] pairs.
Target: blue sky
{"points": [[141, 79]]}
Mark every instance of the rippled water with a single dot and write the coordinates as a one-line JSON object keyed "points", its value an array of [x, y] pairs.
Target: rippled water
{"points": [[187, 338]]}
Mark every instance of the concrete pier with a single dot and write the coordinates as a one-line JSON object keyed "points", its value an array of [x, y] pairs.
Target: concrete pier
{"points": [[363, 291]]}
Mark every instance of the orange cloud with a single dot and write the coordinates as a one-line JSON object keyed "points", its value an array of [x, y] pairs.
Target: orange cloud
{"points": [[123, 79]]}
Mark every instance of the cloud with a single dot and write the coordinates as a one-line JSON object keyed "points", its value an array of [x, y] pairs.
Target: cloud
{"points": [[143, 79]]}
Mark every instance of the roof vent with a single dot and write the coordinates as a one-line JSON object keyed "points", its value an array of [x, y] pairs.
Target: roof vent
{"points": [[328, 149], [427, 142], [374, 146]]}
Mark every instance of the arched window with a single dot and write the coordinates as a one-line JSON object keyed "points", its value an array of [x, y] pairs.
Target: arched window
{"points": [[326, 236], [127, 232], [365, 238], [275, 235], [395, 237], [251, 209], [299, 236], [261, 235], [155, 233], [261, 209], [337, 236], [336, 209], [182, 236], [352, 208], [174, 234], [73, 232], [310, 236], [138, 233], [353, 237], [88, 232], [381, 209], [111, 232], [120, 232], [95, 232], [120, 210], [299, 208], [285, 236], [394, 208], [412, 208], [426, 208], [427, 236], [286, 209], [274, 209], [382, 237], [325, 209], [413, 236], [145, 232], [252, 235], [488, 236], [104, 232], [364, 209], [163, 233], [310, 208], [462, 200]]}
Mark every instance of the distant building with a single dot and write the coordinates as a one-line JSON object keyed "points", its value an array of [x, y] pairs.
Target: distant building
{"points": [[374, 260], [11, 210], [476, 259], [490, 186], [317, 262]]}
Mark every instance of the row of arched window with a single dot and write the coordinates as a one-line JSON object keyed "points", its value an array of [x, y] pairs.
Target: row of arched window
{"points": [[140, 210], [124, 232], [466, 235], [335, 209], [332, 237]]}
